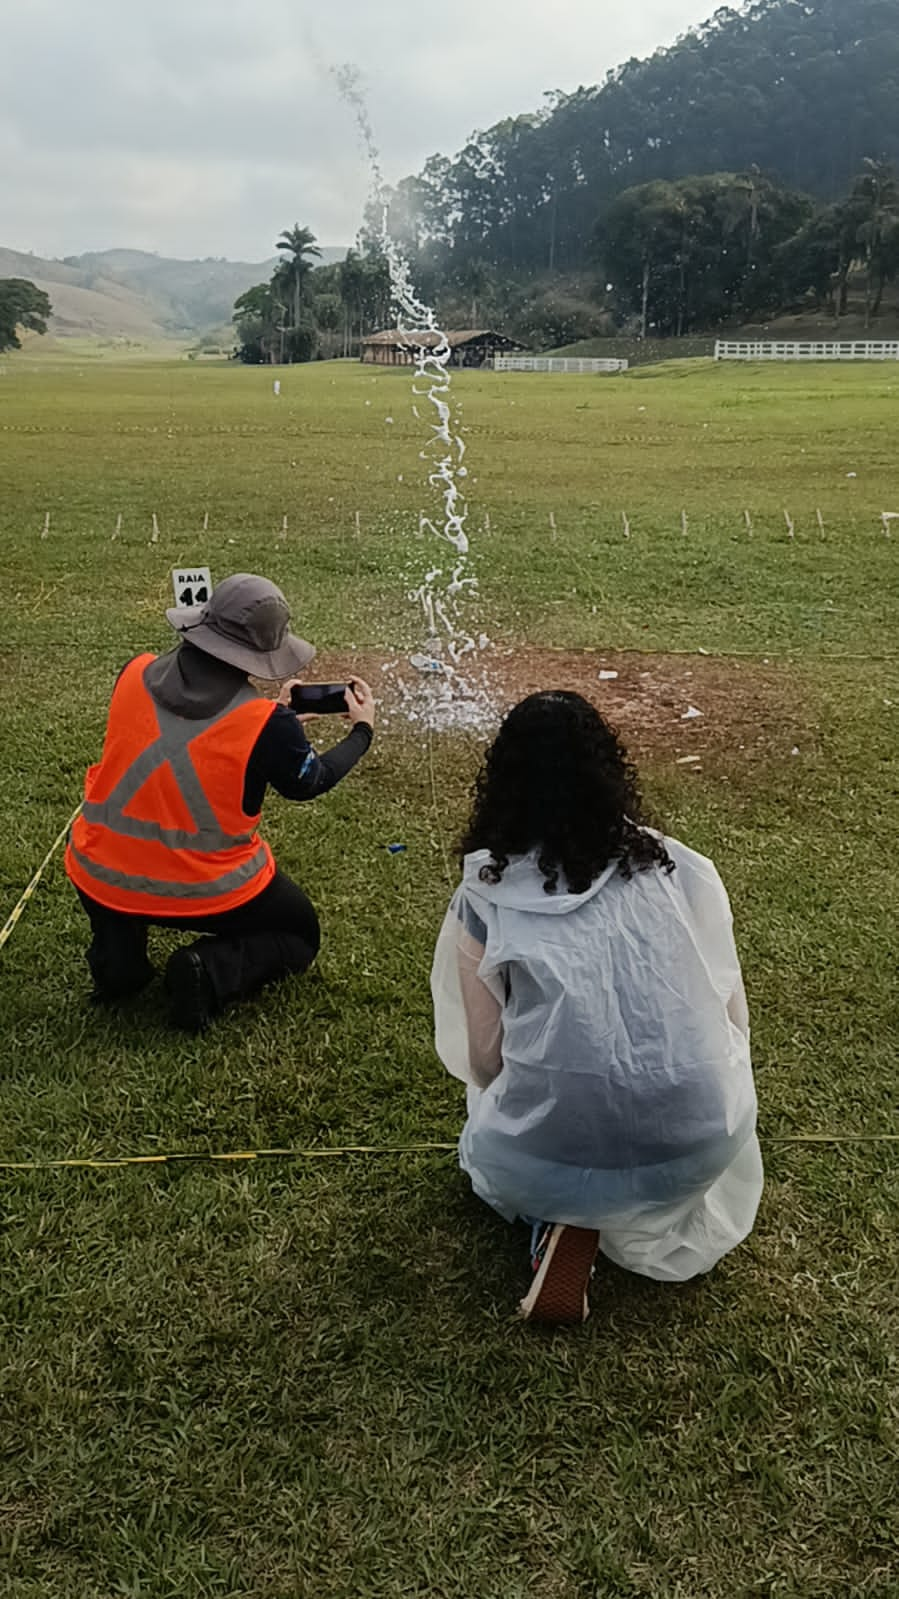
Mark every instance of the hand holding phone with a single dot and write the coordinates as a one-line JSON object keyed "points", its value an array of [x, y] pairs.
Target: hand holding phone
{"points": [[319, 699], [360, 702]]}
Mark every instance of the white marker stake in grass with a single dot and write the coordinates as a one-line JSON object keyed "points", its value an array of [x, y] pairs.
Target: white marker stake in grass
{"points": [[820, 521], [684, 524], [118, 526], [284, 527], [154, 536], [552, 526], [205, 521], [791, 526], [625, 524], [46, 527], [358, 520], [748, 520], [888, 517], [486, 521]]}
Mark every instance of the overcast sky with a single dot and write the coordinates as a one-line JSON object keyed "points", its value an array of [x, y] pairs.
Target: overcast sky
{"points": [[202, 127]]}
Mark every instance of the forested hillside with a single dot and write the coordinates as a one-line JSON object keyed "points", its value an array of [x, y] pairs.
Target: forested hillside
{"points": [[803, 90]]}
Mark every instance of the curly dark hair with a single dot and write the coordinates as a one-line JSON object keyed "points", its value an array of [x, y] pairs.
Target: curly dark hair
{"points": [[558, 780]]}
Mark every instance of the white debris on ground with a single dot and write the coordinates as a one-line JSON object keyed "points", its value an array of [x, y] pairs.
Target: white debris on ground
{"points": [[448, 704], [690, 714]]}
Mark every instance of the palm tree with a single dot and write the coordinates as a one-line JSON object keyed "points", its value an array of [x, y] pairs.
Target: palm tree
{"points": [[298, 244]]}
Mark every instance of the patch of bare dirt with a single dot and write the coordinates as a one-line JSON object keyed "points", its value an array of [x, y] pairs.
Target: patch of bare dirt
{"points": [[744, 706]]}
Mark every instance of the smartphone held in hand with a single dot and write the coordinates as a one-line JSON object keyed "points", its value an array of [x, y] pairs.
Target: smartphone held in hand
{"points": [[322, 699]]}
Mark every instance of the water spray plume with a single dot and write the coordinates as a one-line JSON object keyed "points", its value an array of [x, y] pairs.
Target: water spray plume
{"points": [[445, 697]]}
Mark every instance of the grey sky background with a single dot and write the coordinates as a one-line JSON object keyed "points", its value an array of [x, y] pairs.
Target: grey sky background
{"points": [[202, 127]]}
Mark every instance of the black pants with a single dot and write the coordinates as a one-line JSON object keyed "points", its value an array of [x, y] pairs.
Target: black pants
{"points": [[274, 933]]}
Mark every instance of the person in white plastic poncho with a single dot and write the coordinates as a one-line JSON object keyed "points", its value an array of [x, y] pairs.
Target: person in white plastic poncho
{"points": [[587, 989]]}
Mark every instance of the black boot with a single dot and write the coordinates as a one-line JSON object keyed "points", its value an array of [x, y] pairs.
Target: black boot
{"points": [[191, 995]]}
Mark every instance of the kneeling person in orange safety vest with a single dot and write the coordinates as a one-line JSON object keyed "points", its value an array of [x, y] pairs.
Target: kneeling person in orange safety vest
{"points": [[167, 835]]}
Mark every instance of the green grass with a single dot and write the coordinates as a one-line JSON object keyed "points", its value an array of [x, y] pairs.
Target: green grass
{"points": [[305, 1378]]}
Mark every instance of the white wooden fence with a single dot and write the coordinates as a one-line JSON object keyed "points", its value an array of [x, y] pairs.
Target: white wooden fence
{"points": [[808, 350], [555, 363]]}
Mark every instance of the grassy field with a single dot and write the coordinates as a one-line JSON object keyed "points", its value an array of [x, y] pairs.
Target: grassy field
{"points": [[304, 1377]]}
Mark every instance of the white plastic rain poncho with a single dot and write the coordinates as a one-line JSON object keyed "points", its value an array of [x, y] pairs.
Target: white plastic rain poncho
{"points": [[604, 1038]]}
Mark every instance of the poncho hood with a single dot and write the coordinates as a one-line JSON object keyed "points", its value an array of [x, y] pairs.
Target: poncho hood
{"points": [[521, 886]]}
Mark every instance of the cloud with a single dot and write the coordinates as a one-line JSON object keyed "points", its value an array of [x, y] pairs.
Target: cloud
{"points": [[203, 126]]}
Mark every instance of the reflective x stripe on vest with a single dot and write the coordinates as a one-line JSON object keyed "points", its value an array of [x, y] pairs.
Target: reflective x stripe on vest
{"points": [[175, 734], [206, 839]]}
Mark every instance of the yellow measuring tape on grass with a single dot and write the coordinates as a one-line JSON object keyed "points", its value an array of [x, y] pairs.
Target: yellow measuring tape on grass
{"points": [[228, 1157], [234, 1156], [14, 915]]}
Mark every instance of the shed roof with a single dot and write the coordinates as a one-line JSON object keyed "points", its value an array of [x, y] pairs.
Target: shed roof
{"points": [[418, 340]]}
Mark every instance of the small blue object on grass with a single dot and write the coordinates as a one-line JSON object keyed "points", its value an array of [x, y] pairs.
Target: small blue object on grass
{"points": [[395, 849]]}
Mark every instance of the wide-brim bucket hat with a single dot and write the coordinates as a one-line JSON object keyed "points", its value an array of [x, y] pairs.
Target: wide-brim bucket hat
{"points": [[246, 623]]}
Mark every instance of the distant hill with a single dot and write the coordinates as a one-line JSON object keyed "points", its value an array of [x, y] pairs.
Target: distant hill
{"points": [[133, 294]]}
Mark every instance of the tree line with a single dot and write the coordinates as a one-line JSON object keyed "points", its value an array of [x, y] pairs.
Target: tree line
{"points": [[801, 89], [305, 311], [742, 171], [668, 258], [691, 254]]}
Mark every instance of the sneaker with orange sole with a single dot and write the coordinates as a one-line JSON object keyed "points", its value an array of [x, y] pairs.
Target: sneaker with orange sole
{"points": [[563, 1265]]}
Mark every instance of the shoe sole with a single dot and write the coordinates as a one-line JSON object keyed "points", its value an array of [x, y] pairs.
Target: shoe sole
{"points": [[188, 1006], [559, 1291]]}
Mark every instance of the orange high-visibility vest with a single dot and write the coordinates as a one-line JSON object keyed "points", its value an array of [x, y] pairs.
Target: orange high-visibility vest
{"points": [[162, 831]]}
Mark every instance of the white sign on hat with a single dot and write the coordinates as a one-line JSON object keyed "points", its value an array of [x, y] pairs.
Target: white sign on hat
{"points": [[192, 586]]}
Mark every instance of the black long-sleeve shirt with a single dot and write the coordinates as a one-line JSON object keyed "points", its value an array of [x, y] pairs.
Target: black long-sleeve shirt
{"points": [[283, 758]]}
